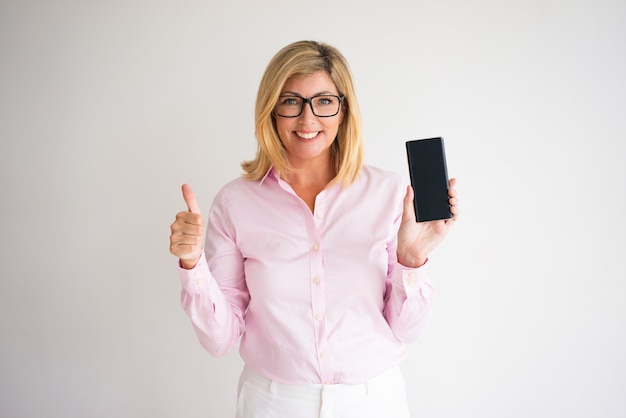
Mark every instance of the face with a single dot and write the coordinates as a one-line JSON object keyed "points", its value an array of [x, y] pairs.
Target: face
{"points": [[307, 138]]}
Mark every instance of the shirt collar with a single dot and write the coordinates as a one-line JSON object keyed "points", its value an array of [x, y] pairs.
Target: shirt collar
{"points": [[271, 171]]}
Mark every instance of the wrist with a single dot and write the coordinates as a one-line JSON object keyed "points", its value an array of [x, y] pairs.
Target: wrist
{"points": [[412, 262], [187, 264]]}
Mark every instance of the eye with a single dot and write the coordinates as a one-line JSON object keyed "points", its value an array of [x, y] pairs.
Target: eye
{"points": [[325, 100], [290, 101]]}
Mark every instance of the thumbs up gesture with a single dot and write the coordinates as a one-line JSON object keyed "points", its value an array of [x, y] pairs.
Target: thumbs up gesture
{"points": [[187, 231]]}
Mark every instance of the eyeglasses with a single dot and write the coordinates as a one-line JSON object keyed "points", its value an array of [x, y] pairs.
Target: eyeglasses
{"points": [[322, 105]]}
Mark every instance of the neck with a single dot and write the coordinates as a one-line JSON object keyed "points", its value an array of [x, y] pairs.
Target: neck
{"points": [[307, 182], [315, 175]]}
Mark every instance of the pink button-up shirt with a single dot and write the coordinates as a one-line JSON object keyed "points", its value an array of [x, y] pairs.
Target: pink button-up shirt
{"points": [[315, 297]]}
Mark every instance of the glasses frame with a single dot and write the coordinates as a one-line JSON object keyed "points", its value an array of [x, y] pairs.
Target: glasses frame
{"points": [[310, 102]]}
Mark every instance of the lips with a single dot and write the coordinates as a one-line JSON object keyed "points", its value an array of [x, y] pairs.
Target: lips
{"points": [[307, 135]]}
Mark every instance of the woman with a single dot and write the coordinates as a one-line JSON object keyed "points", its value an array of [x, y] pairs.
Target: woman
{"points": [[313, 259]]}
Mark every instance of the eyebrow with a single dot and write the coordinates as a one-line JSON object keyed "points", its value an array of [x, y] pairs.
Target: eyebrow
{"points": [[321, 93]]}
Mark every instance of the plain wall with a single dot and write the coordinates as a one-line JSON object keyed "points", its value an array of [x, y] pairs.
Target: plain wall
{"points": [[107, 107]]}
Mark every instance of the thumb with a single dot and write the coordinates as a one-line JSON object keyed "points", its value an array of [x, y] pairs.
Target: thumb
{"points": [[409, 209], [190, 199]]}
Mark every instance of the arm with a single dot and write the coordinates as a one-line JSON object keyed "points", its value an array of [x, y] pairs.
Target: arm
{"points": [[410, 294], [214, 294], [409, 299], [217, 314]]}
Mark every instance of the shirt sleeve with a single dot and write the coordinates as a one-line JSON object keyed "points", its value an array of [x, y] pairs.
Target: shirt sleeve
{"points": [[214, 294], [409, 293], [410, 296]]}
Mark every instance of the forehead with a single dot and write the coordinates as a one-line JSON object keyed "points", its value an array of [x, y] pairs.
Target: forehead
{"points": [[319, 82]]}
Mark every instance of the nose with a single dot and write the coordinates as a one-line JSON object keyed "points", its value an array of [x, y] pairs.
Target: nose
{"points": [[307, 111]]}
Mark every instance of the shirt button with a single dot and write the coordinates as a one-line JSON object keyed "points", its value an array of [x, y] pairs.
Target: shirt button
{"points": [[316, 280], [319, 316], [319, 215], [315, 247], [200, 282], [322, 355]]}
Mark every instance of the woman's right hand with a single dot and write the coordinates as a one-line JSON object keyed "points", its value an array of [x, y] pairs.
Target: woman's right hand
{"points": [[187, 231]]}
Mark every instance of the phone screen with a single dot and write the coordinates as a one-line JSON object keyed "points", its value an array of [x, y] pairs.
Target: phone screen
{"points": [[429, 178]]}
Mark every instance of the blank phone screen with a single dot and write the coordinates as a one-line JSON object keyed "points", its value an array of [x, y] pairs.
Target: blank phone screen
{"points": [[429, 178]]}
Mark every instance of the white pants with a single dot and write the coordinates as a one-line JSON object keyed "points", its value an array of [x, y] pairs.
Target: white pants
{"points": [[384, 396]]}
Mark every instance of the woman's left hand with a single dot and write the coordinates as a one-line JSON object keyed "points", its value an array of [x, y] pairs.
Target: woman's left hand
{"points": [[417, 239]]}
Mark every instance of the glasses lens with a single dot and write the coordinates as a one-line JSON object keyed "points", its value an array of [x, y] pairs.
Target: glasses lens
{"points": [[325, 105], [289, 106]]}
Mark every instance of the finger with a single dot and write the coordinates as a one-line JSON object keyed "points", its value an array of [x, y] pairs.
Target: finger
{"points": [[190, 199], [409, 210], [184, 218], [453, 201], [185, 239], [185, 252], [181, 231], [454, 209], [451, 189], [178, 239]]}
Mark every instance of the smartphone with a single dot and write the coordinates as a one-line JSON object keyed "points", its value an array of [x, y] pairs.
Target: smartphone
{"points": [[429, 179]]}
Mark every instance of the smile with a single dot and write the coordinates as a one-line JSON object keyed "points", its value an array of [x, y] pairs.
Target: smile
{"points": [[305, 135]]}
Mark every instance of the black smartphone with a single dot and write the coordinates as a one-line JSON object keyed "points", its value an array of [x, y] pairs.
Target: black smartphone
{"points": [[429, 179]]}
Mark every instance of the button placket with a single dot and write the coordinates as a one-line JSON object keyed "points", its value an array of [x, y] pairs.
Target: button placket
{"points": [[318, 300], [318, 307]]}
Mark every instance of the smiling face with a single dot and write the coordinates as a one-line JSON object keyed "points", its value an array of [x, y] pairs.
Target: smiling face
{"points": [[308, 138]]}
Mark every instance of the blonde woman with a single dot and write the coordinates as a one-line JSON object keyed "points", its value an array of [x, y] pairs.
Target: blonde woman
{"points": [[313, 261]]}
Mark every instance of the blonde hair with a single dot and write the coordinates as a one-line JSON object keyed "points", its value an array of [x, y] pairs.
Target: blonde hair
{"points": [[299, 59]]}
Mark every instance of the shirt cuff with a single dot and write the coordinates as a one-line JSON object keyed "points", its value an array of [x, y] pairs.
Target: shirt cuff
{"points": [[197, 280], [414, 280]]}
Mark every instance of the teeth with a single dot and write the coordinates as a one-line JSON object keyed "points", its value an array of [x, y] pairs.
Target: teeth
{"points": [[307, 136]]}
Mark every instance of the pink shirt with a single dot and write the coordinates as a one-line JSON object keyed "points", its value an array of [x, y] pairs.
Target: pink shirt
{"points": [[315, 297]]}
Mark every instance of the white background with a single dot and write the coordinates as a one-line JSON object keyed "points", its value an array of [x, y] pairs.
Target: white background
{"points": [[107, 107]]}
